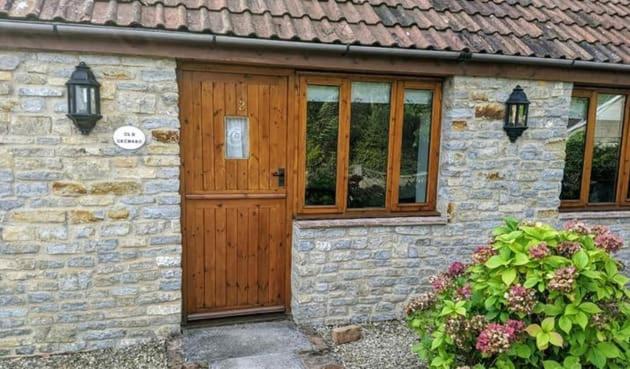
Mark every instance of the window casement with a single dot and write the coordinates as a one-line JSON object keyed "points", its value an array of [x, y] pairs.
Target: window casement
{"points": [[596, 174], [368, 146]]}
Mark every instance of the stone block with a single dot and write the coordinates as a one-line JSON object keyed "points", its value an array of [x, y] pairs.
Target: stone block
{"points": [[38, 216], [347, 334], [83, 216], [165, 136], [115, 188], [30, 125]]}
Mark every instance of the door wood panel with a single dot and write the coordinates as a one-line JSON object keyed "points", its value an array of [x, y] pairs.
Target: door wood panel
{"points": [[235, 210]]}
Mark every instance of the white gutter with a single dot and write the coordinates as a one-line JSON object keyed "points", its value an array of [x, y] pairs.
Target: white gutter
{"points": [[65, 29]]}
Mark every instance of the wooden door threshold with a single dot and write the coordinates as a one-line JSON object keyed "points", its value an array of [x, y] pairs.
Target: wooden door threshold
{"points": [[232, 320], [236, 313]]}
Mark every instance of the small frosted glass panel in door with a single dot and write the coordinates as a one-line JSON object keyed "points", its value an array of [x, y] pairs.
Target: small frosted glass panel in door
{"points": [[236, 138], [606, 148], [414, 152], [369, 132]]}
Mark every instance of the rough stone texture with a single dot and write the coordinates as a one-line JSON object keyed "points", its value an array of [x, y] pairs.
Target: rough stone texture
{"points": [[89, 255], [350, 272], [346, 334]]}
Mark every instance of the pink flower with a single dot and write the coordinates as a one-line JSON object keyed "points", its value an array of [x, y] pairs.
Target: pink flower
{"points": [[464, 292], [539, 251], [482, 254], [568, 248], [608, 241], [563, 280], [440, 282], [521, 299], [456, 269], [496, 338], [577, 227]]}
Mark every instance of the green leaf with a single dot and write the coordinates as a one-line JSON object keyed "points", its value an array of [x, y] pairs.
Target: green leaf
{"points": [[565, 324], [597, 358], [581, 319], [522, 350], [495, 262], [621, 280], [590, 308], [556, 339], [520, 259], [580, 259], [542, 341], [508, 276], [609, 349], [531, 281], [611, 268], [571, 309], [551, 364], [553, 310], [533, 330], [572, 362], [548, 324]]}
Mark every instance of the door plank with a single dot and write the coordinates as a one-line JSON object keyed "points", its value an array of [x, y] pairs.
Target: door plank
{"points": [[207, 135], [263, 257], [210, 261], [217, 121], [252, 263], [221, 257], [254, 148], [197, 258], [242, 111], [231, 263], [263, 115], [242, 253]]}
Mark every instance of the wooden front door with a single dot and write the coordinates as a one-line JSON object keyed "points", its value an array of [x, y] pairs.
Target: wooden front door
{"points": [[234, 148]]}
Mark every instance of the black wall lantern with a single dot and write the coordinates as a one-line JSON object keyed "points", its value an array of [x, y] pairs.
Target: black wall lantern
{"points": [[84, 98], [516, 110]]}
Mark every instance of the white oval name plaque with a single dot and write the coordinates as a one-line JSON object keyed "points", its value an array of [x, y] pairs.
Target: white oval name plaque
{"points": [[129, 138]]}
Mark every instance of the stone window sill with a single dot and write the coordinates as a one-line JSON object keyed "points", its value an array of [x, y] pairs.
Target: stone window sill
{"points": [[372, 222], [613, 214]]}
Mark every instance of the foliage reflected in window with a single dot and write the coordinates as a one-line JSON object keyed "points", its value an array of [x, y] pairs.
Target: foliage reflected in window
{"points": [[322, 126], [369, 130], [606, 147], [414, 159], [574, 160], [595, 174]]}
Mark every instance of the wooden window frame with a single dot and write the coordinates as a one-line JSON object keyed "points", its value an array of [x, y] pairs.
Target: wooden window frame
{"points": [[622, 200], [392, 207]]}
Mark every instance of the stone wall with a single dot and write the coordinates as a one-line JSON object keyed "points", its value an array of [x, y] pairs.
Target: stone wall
{"points": [[90, 239], [357, 271]]}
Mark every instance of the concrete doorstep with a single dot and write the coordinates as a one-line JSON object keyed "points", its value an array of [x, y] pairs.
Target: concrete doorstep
{"points": [[267, 345]]}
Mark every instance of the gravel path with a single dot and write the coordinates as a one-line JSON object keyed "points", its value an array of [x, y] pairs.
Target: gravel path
{"points": [[385, 345], [147, 356]]}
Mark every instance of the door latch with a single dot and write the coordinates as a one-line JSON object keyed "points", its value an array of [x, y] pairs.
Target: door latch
{"points": [[280, 174]]}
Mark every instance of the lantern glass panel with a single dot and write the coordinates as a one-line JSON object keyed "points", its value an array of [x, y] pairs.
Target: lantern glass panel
{"points": [[511, 114], [93, 100], [521, 114], [81, 99]]}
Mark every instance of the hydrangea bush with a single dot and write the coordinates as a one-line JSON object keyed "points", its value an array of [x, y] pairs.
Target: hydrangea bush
{"points": [[536, 297]]}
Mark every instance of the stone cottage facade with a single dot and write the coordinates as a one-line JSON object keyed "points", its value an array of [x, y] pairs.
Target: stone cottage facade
{"points": [[91, 236]]}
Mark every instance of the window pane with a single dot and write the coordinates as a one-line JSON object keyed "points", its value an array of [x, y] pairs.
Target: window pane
{"points": [[606, 147], [81, 94], [369, 128], [236, 138], [414, 153], [322, 125], [576, 139]]}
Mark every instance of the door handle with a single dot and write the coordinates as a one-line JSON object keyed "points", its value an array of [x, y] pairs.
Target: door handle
{"points": [[280, 174]]}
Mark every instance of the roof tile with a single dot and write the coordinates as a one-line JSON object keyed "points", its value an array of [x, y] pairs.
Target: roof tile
{"points": [[573, 29]]}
